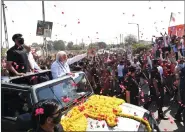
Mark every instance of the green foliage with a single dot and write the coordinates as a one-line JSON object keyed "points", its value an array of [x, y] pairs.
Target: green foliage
{"points": [[35, 44], [3, 51], [93, 45], [77, 47], [98, 45], [70, 45], [50, 45], [59, 45], [140, 47], [130, 39], [82, 45], [101, 45]]}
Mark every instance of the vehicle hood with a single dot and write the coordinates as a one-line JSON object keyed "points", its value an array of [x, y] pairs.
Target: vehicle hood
{"points": [[124, 124]]}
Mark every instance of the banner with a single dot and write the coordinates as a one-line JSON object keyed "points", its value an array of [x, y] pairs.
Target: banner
{"points": [[44, 28], [178, 30], [172, 30]]}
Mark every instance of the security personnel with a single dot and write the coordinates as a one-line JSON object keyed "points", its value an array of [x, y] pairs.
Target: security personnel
{"points": [[158, 91], [181, 108], [132, 86], [17, 59]]}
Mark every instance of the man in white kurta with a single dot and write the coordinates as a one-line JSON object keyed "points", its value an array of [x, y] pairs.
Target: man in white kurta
{"points": [[60, 67]]}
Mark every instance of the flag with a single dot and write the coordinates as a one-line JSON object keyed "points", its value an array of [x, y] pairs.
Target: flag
{"points": [[172, 17]]}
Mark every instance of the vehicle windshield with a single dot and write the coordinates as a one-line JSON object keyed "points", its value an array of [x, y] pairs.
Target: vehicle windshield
{"points": [[66, 91]]}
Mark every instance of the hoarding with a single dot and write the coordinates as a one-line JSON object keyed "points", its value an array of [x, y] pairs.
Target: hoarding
{"points": [[178, 30], [44, 28]]}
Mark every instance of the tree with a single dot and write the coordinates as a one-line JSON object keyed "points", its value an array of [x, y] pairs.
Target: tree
{"points": [[50, 45], [102, 45], [70, 45], [137, 48], [59, 45], [3, 51], [93, 45], [35, 45], [77, 47], [130, 39], [82, 45]]}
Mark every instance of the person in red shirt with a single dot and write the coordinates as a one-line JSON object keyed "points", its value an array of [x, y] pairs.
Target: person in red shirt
{"points": [[163, 64], [169, 78], [106, 82], [168, 66], [173, 68]]}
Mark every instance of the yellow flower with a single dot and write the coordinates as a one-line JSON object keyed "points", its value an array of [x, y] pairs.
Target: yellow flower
{"points": [[99, 108]]}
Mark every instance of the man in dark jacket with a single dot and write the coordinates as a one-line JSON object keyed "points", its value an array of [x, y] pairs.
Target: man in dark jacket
{"points": [[132, 86], [181, 108], [156, 90]]}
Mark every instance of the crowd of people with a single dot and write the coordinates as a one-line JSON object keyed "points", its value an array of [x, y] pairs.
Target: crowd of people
{"points": [[139, 79]]}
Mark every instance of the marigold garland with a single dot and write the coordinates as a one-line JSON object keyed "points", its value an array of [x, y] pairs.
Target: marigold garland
{"points": [[100, 108]]}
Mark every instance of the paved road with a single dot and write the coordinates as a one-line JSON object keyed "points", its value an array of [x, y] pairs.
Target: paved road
{"points": [[169, 109]]}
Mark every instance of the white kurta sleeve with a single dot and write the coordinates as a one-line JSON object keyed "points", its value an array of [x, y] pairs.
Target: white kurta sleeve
{"points": [[76, 58]]}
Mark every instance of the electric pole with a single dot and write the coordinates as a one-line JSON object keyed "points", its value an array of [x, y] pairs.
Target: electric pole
{"points": [[137, 29], [44, 38], [5, 25]]}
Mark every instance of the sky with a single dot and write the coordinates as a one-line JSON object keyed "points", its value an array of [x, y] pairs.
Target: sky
{"points": [[108, 18]]}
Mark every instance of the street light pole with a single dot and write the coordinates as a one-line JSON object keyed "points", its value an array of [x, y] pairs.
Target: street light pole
{"points": [[44, 38], [137, 28], [5, 25]]}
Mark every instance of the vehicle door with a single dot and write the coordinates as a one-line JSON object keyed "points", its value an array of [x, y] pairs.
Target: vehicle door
{"points": [[14, 103]]}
